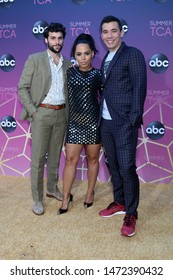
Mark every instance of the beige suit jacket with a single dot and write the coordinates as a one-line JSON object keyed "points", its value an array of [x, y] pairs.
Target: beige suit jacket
{"points": [[35, 82]]}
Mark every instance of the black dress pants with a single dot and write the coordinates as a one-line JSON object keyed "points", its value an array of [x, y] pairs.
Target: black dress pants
{"points": [[119, 139]]}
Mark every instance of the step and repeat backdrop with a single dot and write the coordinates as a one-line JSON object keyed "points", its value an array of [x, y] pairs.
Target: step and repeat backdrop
{"points": [[148, 25]]}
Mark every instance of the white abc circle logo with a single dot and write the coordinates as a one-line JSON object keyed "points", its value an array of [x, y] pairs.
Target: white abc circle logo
{"points": [[8, 124], [161, 1], [125, 27], [79, 2], [7, 62], [159, 63], [6, 3], [155, 130], [38, 29]]}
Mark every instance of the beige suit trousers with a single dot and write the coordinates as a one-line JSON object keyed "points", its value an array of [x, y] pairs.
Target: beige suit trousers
{"points": [[48, 131]]}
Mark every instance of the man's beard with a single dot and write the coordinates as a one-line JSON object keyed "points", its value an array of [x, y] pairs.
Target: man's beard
{"points": [[51, 48]]}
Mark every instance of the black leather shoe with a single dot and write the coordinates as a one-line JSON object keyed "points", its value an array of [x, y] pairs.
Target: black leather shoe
{"points": [[63, 211]]}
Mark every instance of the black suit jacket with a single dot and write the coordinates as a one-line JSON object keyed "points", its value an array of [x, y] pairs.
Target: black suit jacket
{"points": [[124, 87]]}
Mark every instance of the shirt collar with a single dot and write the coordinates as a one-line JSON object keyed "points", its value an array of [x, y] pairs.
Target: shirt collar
{"points": [[50, 57]]}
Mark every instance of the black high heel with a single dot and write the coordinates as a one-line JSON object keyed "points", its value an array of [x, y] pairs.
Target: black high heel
{"points": [[63, 211], [87, 205]]}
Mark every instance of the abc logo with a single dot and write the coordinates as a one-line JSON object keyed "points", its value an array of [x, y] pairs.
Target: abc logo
{"points": [[124, 26], [73, 61], [38, 29], [79, 2], [159, 63], [155, 130], [8, 124], [6, 3], [7, 62], [161, 1]]}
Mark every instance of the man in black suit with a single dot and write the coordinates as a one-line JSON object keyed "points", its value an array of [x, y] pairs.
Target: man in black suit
{"points": [[122, 104]]}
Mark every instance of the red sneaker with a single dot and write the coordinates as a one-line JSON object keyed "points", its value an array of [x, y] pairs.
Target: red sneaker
{"points": [[128, 227], [114, 208]]}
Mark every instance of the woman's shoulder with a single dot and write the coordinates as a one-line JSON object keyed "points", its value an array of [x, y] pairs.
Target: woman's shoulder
{"points": [[97, 71], [70, 68]]}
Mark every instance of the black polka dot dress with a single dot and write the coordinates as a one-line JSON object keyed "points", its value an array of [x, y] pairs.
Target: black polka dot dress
{"points": [[83, 94]]}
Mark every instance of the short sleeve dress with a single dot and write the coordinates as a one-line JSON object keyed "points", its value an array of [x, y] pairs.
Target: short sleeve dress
{"points": [[84, 109]]}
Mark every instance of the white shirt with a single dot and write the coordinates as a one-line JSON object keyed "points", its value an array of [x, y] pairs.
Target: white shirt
{"points": [[55, 95], [105, 112]]}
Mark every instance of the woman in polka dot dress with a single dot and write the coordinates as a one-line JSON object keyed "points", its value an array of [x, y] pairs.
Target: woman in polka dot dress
{"points": [[84, 86]]}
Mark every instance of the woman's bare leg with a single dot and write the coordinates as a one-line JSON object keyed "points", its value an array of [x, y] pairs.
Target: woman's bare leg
{"points": [[72, 156], [92, 152]]}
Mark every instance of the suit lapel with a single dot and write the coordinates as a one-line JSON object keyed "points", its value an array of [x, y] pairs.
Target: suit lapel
{"points": [[47, 64], [112, 63]]}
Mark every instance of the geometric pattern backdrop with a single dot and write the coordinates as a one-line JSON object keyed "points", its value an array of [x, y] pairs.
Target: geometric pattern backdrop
{"points": [[148, 25]]}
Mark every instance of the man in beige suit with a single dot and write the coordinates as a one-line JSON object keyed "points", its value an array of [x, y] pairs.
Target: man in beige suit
{"points": [[43, 92]]}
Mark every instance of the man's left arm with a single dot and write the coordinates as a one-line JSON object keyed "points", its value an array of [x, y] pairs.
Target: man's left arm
{"points": [[138, 73]]}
